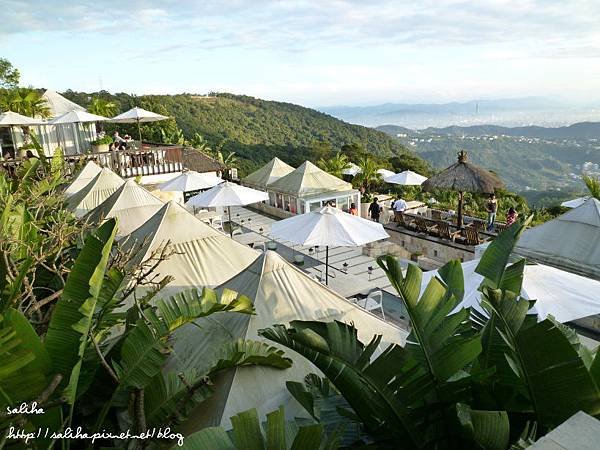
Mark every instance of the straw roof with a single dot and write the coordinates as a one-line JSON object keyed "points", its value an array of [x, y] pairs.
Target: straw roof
{"points": [[267, 174], [307, 180], [463, 176]]}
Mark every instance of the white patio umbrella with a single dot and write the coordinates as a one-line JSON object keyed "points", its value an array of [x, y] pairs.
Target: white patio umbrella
{"points": [[575, 202], [352, 170], [328, 227], [227, 194], [138, 115], [385, 173], [564, 295], [191, 180], [76, 117], [406, 178]]}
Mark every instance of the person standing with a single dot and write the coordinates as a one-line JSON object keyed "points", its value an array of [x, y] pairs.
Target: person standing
{"points": [[491, 206], [375, 210], [399, 207]]}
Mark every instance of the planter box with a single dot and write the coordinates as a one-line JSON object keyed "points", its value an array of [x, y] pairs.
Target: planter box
{"points": [[102, 148]]}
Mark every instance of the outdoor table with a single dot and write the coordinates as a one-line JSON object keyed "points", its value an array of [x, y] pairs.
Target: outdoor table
{"points": [[207, 216]]}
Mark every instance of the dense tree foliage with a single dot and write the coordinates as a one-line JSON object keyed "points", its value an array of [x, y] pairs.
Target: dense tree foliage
{"points": [[256, 130]]}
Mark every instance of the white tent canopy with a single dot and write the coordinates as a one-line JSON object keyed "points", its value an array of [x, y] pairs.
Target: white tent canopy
{"points": [[89, 171], [308, 179], [190, 180], [352, 170], [131, 205], [77, 116], [564, 295], [9, 119], [406, 178], [281, 293], [569, 242], [268, 173], [95, 192], [328, 227], [385, 173], [203, 256], [575, 202], [58, 104]]}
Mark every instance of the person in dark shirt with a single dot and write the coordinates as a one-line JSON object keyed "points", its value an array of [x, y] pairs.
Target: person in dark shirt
{"points": [[491, 207], [375, 210]]}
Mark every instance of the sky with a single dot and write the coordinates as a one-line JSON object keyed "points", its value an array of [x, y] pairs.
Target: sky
{"points": [[314, 53]]}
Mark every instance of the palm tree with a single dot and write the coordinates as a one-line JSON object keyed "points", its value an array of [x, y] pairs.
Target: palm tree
{"points": [[335, 165], [368, 175], [25, 101], [102, 107], [199, 143], [593, 185]]}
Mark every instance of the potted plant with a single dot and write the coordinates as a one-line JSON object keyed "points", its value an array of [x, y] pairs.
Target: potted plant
{"points": [[415, 256], [101, 145]]}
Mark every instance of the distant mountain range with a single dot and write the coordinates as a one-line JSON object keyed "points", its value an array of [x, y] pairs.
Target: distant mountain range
{"points": [[504, 112], [581, 130]]}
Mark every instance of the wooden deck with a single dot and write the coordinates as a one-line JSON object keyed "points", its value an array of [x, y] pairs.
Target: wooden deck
{"points": [[151, 159]]}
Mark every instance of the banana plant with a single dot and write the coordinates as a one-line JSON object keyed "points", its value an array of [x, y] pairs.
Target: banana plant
{"points": [[247, 434], [92, 342]]}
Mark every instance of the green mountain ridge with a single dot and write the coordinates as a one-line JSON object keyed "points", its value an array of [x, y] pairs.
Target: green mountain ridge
{"points": [[257, 130]]}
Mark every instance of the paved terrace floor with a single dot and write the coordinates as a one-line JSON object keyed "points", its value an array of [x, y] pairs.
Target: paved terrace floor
{"points": [[354, 281]]}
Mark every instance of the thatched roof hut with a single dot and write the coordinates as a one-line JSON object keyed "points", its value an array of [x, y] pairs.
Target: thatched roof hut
{"points": [[463, 176]]}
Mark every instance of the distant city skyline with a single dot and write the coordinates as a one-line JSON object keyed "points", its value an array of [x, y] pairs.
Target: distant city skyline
{"points": [[314, 53]]}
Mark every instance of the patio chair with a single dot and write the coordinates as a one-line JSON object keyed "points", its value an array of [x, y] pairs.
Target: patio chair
{"points": [[470, 236], [500, 227], [217, 223], [422, 227], [373, 302], [406, 222], [237, 232], [478, 225], [444, 231], [436, 214]]}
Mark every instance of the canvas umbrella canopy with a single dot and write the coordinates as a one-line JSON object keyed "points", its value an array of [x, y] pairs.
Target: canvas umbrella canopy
{"points": [[351, 170], [228, 194], [328, 227], [138, 115], [463, 177], [89, 172], [385, 173], [564, 295], [190, 180], [406, 178]]}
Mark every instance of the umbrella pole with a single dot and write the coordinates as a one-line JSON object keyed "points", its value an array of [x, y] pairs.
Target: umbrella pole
{"points": [[230, 222], [327, 264], [459, 219], [139, 131]]}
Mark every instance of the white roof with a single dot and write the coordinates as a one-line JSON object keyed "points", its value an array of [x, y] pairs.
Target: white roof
{"points": [[307, 180], [138, 115], [95, 192], [77, 116], [406, 178], [191, 181], [328, 226], [10, 118], [89, 171], [352, 170], [58, 104], [268, 173], [203, 256], [562, 294], [569, 242], [227, 194], [131, 205], [281, 293]]}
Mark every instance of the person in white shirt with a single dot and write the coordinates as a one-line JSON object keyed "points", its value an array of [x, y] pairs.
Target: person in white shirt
{"points": [[399, 207]]}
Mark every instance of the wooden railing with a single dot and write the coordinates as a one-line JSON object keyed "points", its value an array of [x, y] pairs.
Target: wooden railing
{"points": [[149, 160]]}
